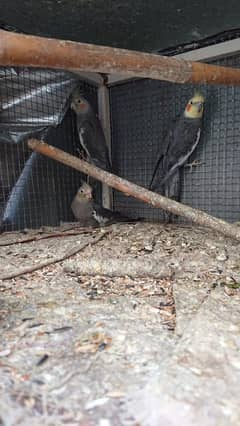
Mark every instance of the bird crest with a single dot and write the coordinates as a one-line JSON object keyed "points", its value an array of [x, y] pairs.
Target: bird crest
{"points": [[198, 97]]}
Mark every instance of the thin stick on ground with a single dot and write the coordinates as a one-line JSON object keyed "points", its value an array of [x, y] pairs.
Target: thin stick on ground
{"points": [[47, 236], [156, 200], [74, 250]]}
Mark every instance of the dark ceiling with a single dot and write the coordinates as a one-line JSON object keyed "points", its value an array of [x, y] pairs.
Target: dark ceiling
{"points": [[148, 25]]}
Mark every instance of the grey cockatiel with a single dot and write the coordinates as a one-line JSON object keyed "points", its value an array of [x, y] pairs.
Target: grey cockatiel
{"points": [[89, 213], [82, 206], [90, 132], [180, 142]]}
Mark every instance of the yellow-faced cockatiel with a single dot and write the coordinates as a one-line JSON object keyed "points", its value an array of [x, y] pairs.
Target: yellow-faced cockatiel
{"points": [[180, 142]]}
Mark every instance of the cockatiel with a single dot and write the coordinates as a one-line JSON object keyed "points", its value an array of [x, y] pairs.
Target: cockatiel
{"points": [[89, 213], [90, 132], [179, 144], [82, 206]]}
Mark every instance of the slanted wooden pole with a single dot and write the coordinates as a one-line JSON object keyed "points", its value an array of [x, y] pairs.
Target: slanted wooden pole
{"points": [[104, 117], [197, 216], [31, 51]]}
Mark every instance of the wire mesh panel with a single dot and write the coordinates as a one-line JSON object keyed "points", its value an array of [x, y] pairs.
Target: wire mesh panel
{"points": [[35, 190], [141, 113]]}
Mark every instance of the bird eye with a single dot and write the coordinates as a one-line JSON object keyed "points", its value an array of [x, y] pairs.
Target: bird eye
{"points": [[191, 102], [79, 101]]}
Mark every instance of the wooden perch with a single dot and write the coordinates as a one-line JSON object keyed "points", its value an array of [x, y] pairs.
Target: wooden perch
{"points": [[115, 267], [32, 51], [156, 200]]}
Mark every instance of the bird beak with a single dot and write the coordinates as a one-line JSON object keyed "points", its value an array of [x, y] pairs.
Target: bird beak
{"points": [[199, 105]]}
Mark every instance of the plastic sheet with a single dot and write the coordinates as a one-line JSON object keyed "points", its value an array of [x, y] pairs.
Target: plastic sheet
{"points": [[26, 205], [34, 190], [32, 100]]}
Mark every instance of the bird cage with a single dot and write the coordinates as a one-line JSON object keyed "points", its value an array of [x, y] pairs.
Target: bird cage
{"points": [[36, 191], [143, 111]]}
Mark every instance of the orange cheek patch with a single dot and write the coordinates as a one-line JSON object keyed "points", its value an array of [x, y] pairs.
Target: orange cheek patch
{"points": [[188, 107]]}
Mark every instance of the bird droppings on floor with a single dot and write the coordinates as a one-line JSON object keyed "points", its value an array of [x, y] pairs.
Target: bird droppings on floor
{"points": [[140, 348]]}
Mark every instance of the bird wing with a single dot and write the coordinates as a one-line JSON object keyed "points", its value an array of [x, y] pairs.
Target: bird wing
{"points": [[157, 175], [179, 144], [175, 160], [105, 216], [172, 187], [93, 141], [102, 215], [160, 167]]}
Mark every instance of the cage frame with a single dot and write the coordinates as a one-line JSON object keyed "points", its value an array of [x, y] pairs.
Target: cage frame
{"points": [[103, 84]]}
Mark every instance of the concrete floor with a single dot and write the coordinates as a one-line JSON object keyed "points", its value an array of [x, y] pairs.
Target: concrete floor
{"points": [[143, 348]]}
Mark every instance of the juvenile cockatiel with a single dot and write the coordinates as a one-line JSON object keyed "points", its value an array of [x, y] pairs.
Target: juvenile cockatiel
{"points": [[179, 144], [90, 132], [84, 208]]}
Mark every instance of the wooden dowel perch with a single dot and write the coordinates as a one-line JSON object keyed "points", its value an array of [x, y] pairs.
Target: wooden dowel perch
{"points": [[156, 200], [32, 51]]}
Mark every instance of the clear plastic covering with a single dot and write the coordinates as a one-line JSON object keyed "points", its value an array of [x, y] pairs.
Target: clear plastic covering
{"points": [[35, 103], [31, 100]]}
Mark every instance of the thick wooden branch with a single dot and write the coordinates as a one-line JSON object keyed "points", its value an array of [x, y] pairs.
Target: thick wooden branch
{"points": [[32, 51], [197, 216], [117, 267]]}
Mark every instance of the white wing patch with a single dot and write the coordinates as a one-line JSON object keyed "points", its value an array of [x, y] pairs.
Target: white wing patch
{"points": [[183, 159], [99, 219], [81, 137], [81, 133]]}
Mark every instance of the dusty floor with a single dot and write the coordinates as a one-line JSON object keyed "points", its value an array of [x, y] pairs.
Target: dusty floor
{"points": [[154, 341]]}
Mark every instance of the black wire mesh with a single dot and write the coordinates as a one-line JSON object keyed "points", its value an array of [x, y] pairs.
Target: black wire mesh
{"points": [[141, 113], [34, 190]]}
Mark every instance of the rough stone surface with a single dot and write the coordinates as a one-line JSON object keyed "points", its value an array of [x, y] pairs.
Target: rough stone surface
{"points": [[200, 380]]}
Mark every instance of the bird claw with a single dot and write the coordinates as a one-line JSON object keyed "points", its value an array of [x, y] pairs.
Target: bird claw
{"points": [[81, 154], [194, 163]]}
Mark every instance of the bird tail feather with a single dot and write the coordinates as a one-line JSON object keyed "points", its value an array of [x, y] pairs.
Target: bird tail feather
{"points": [[156, 181]]}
